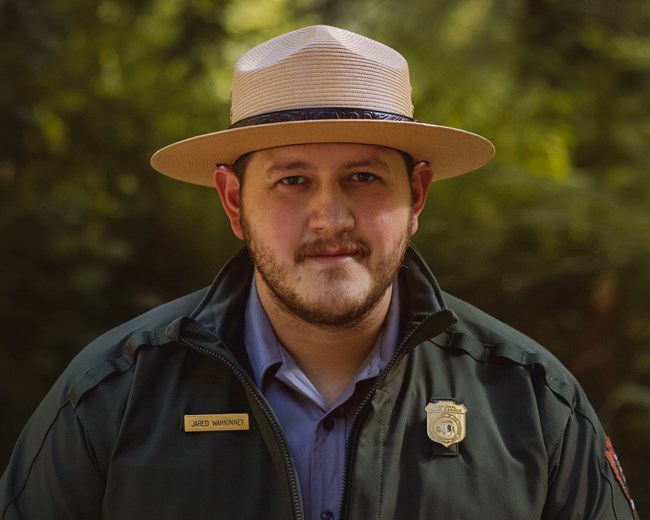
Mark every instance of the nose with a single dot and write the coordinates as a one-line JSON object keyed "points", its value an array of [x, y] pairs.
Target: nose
{"points": [[330, 211]]}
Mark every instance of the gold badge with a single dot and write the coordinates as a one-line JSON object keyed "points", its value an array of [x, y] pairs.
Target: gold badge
{"points": [[446, 422], [216, 422]]}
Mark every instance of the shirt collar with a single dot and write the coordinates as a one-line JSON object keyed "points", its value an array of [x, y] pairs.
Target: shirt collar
{"points": [[261, 344], [265, 352]]}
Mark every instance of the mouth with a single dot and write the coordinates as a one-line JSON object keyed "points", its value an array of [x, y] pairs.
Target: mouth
{"points": [[342, 251]]}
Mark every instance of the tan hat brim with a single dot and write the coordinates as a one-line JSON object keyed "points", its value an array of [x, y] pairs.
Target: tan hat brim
{"points": [[449, 151]]}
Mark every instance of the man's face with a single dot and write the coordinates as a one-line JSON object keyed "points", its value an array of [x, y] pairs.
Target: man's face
{"points": [[327, 226]]}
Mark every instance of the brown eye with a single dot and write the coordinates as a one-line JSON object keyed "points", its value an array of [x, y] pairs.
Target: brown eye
{"points": [[364, 177], [292, 181]]}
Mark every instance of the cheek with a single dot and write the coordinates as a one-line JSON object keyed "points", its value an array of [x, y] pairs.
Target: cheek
{"points": [[277, 227], [390, 222]]}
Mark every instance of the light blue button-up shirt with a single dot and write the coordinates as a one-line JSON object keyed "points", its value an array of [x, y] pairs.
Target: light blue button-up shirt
{"points": [[316, 433]]}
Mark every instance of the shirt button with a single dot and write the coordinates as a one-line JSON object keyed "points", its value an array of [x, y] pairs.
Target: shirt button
{"points": [[327, 515], [328, 424]]}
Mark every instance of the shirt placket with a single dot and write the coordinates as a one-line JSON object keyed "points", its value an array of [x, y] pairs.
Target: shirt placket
{"points": [[327, 452]]}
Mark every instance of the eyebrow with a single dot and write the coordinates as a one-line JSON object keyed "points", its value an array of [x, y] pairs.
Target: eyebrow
{"points": [[281, 166], [287, 166], [372, 161]]}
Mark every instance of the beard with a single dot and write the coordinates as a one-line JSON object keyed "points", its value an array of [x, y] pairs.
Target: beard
{"points": [[330, 307]]}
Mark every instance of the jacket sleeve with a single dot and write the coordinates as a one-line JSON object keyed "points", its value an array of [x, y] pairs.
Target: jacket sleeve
{"points": [[52, 472], [584, 480]]}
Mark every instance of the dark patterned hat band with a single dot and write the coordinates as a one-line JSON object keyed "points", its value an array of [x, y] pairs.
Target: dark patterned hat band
{"points": [[311, 114]]}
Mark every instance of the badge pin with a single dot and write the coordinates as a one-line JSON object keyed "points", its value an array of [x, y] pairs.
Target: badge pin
{"points": [[446, 422]]}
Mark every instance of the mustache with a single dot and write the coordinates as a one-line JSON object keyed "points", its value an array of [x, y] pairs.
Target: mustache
{"points": [[343, 244]]}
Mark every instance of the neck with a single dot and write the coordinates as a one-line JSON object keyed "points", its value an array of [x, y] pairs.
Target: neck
{"points": [[329, 357]]}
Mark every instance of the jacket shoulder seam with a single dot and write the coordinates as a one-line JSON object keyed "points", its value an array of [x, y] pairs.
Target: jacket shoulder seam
{"points": [[485, 352], [120, 363]]}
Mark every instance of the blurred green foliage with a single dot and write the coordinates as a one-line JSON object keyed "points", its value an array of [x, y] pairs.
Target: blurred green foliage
{"points": [[553, 236]]}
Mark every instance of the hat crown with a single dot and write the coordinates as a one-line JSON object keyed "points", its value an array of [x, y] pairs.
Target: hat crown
{"points": [[320, 66]]}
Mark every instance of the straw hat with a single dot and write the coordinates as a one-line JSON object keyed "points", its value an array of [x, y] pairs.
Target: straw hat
{"points": [[322, 84]]}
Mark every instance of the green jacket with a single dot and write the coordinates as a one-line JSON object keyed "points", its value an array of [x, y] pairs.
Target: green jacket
{"points": [[108, 439]]}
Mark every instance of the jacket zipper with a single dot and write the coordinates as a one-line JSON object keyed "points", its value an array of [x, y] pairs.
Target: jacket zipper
{"points": [[277, 432], [362, 409]]}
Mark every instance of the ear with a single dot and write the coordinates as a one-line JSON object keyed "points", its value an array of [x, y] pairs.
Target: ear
{"points": [[420, 182], [228, 185]]}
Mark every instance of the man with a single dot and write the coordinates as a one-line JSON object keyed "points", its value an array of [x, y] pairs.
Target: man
{"points": [[324, 375]]}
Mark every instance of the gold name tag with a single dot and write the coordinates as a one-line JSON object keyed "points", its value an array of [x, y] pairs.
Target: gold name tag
{"points": [[216, 422]]}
